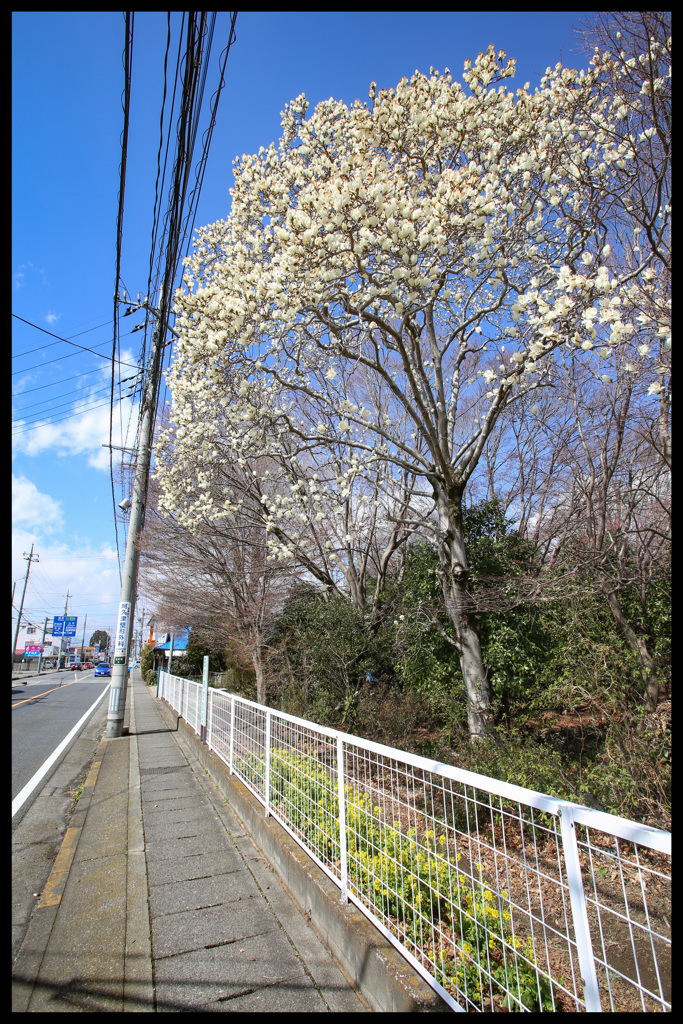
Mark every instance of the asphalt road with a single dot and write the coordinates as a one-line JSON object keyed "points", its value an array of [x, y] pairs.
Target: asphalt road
{"points": [[44, 711]]}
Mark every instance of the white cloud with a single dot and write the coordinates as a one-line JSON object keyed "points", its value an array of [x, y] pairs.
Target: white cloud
{"points": [[90, 576], [86, 430], [28, 273], [34, 510], [52, 317]]}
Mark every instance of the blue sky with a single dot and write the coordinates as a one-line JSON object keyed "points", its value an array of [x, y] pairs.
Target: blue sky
{"points": [[67, 81]]}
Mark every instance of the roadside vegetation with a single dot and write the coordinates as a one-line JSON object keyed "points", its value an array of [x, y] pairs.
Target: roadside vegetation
{"points": [[416, 479]]}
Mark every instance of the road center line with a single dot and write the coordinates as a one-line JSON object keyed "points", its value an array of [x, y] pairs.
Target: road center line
{"points": [[23, 796], [62, 686]]}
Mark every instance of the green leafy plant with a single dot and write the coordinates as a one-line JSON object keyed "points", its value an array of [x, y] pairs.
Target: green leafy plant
{"points": [[413, 879]]}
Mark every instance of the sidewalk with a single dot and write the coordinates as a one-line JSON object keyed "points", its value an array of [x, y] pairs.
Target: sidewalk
{"points": [[159, 900]]}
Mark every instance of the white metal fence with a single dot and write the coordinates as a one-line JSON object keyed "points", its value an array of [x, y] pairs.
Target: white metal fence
{"points": [[501, 897]]}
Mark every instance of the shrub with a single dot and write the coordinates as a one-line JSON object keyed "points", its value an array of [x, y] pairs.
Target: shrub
{"points": [[411, 878]]}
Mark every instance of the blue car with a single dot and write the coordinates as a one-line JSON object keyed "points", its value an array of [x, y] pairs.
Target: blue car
{"points": [[103, 670]]}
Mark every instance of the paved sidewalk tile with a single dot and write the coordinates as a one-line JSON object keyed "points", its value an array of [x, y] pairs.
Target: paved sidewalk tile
{"points": [[166, 904], [220, 940]]}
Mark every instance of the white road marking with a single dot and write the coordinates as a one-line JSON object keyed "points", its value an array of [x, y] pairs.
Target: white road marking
{"points": [[23, 796]]}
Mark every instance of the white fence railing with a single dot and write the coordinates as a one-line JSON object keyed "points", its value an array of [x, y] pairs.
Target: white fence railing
{"points": [[501, 897]]}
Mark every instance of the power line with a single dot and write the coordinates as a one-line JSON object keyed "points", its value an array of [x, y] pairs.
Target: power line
{"points": [[173, 224], [64, 380], [206, 140], [61, 419], [71, 404], [128, 59], [49, 401], [68, 342], [41, 348]]}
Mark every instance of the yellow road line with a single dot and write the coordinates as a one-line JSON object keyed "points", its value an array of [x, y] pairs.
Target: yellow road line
{"points": [[92, 774], [61, 687], [52, 893]]}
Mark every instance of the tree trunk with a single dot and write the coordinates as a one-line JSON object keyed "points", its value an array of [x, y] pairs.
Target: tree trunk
{"points": [[637, 644], [455, 585], [257, 662]]}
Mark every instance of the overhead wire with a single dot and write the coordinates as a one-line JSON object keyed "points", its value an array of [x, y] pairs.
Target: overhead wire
{"points": [[70, 404], [185, 134], [83, 348], [65, 380], [69, 416], [153, 286], [151, 291], [50, 344], [174, 232], [206, 143], [128, 58]]}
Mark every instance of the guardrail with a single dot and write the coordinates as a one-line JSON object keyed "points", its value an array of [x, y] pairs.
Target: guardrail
{"points": [[501, 897]]}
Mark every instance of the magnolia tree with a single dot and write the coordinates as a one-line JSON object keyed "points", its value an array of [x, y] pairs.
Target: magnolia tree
{"points": [[318, 511], [390, 279]]}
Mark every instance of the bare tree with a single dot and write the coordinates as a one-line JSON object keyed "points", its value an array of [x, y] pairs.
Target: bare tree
{"points": [[218, 580]]}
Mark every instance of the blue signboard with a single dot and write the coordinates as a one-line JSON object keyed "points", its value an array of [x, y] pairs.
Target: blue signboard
{"points": [[64, 625]]}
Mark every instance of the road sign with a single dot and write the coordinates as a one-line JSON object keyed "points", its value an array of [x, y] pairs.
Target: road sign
{"points": [[64, 625], [121, 639]]}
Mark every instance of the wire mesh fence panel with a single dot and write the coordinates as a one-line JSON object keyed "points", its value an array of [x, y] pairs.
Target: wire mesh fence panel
{"points": [[218, 727], [501, 897], [436, 861], [195, 706], [249, 746], [303, 792], [628, 898]]}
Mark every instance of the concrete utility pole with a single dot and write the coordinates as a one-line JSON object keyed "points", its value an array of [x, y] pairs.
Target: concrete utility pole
{"points": [[42, 645], [23, 595], [122, 637], [83, 637], [64, 642]]}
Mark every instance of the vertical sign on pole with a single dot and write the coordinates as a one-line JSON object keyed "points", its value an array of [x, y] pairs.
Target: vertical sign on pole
{"points": [[205, 694], [120, 650]]}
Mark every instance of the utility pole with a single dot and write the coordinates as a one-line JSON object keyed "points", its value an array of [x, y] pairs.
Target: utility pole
{"points": [[42, 645], [83, 638], [122, 637], [64, 640], [21, 607]]}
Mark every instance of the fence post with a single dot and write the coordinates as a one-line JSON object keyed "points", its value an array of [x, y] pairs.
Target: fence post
{"points": [[344, 898], [577, 897], [205, 693], [232, 732], [268, 717]]}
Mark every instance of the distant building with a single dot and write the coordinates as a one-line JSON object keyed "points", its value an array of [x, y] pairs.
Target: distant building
{"points": [[162, 651], [29, 642]]}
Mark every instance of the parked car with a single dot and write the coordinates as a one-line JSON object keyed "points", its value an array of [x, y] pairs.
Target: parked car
{"points": [[103, 669], [88, 664], [76, 666]]}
